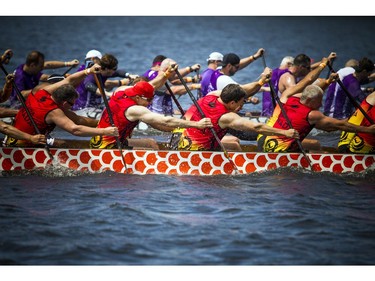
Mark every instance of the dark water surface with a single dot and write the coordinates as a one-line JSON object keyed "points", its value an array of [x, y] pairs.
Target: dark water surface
{"points": [[281, 217], [285, 217]]}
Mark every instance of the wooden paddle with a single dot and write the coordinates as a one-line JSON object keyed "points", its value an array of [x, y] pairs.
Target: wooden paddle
{"points": [[99, 83], [277, 99], [352, 100], [204, 116], [21, 98]]}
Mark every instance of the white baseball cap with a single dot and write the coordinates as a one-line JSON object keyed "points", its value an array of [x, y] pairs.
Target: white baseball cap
{"points": [[215, 56], [93, 54]]}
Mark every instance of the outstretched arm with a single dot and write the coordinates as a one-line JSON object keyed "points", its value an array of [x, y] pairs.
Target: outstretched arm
{"points": [[58, 64], [244, 62], [234, 121], [329, 124], [73, 79], [141, 113], [13, 132], [58, 117], [81, 120]]}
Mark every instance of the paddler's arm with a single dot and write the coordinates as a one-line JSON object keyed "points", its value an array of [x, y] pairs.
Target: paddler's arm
{"points": [[13, 132], [143, 114], [162, 77], [234, 121], [253, 87], [58, 64], [73, 79], [81, 120], [59, 118]]}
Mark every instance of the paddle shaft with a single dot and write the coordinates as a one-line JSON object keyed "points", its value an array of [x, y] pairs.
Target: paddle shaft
{"points": [[69, 69], [204, 116], [330, 63], [174, 99], [100, 85], [23, 102], [199, 93], [265, 65], [352, 100]]}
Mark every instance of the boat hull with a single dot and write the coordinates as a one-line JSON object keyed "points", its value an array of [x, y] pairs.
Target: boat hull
{"points": [[178, 162]]}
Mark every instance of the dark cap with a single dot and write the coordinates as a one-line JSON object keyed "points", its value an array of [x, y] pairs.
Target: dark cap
{"points": [[54, 78], [364, 64], [231, 58]]}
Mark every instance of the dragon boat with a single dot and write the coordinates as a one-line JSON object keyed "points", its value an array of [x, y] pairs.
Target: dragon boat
{"points": [[170, 162]]}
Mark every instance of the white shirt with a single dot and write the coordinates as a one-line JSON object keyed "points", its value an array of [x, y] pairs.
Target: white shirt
{"points": [[224, 80]]}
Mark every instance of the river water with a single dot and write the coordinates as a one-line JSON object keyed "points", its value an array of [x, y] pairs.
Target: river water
{"points": [[284, 217]]}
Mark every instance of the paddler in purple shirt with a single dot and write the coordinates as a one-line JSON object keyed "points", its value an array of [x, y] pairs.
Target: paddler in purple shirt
{"points": [[153, 71], [28, 75], [231, 63], [267, 103], [213, 62], [162, 101], [337, 104], [89, 95]]}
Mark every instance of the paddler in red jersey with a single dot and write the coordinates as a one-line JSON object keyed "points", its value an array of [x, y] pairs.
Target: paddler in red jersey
{"points": [[363, 143], [129, 106], [222, 107], [301, 103], [51, 106]]}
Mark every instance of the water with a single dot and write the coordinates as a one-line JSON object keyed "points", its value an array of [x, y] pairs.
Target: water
{"points": [[280, 217], [284, 217]]}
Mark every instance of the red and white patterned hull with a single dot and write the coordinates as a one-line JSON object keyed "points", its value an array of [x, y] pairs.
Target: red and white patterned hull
{"points": [[178, 162]]}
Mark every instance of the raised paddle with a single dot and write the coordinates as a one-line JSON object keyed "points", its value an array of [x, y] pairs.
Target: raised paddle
{"points": [[352, 100], [21, 98], [204, 116], [99, 83]]}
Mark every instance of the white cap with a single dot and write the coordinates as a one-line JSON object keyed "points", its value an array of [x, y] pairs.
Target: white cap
{"points": [[215, 56], [93, 54], [287, 60]]}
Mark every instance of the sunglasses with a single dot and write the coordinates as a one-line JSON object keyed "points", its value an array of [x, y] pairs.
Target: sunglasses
{"points": [[307, 67], [146, 99], [70, 103]]}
